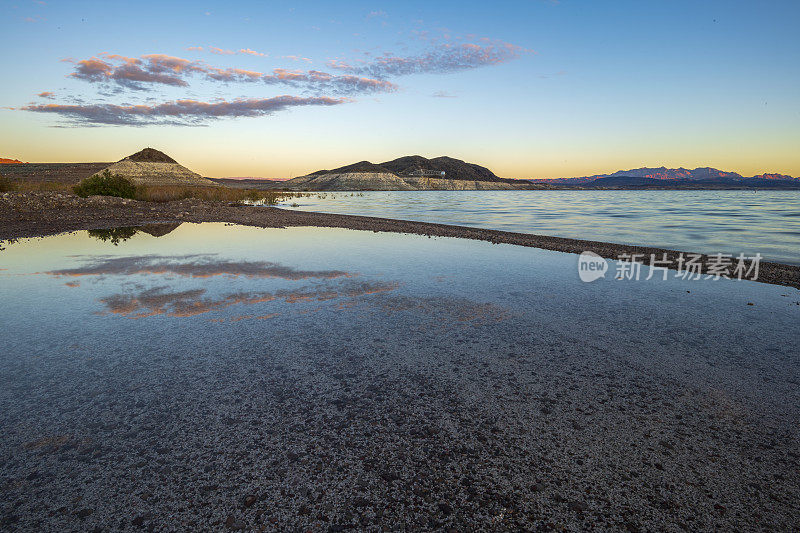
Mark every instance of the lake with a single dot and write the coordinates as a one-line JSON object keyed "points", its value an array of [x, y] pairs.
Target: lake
{"points": [[216, 377], [765, 222]]}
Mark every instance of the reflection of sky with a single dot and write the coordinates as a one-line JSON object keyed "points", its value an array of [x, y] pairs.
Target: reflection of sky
{"points": [[294, 287], [215, 271]]}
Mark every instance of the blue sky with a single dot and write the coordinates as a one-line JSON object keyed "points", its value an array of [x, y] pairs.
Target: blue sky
{"points": [[529, 89]]}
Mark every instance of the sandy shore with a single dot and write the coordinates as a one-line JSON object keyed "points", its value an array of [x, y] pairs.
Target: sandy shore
{"points": [[39, 214]]}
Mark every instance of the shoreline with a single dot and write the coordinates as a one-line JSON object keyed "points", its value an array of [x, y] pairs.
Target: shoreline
{"points": [[36, 214]]}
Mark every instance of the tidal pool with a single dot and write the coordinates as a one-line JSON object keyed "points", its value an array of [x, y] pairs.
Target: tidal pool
{"points": [[215, 376]]}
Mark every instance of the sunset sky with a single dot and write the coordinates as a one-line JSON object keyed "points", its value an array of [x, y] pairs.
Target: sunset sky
{"points": [[533, 89]]}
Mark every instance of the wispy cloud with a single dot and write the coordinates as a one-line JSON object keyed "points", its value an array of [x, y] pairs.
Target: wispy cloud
{"points": [[46, 94], [157, 301], [195, 266], [222, 51], [178, 112], [159, 69], [443, 94], [132, 72], [443, 58], [298, 58], [248, 51]]}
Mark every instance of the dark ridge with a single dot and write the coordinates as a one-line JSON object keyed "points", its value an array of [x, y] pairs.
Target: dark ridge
{"points": [[151, 155], [454, 169], [361, 166]]}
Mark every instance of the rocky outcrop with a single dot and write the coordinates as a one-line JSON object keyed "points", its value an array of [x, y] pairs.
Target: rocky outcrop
{"points": [[151, 167]]}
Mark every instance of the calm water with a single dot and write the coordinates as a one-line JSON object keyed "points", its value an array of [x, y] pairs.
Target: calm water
{"points": [[159, 381], [766, 222]]}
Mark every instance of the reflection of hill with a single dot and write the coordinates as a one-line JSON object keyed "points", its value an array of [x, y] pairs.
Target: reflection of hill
{"points": [[159, 230]]}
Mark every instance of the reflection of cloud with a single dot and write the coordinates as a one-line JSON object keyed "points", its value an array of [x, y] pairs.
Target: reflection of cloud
{"points": [[188, 303], [443, 58], [194, 266], [179, 112]]}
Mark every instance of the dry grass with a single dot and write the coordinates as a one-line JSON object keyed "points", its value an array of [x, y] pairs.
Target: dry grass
{"points": [[163, 193], [35, 186], [169, 193]]}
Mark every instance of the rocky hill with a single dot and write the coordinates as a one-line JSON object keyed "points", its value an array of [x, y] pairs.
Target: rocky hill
{"points": [[399, 175], [152, 167]]}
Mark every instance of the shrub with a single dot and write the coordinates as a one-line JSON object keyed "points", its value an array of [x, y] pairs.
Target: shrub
{"points": [[169, 193], [106, 184]]}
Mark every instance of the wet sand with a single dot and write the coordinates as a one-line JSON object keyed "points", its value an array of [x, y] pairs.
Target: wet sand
{"points": [[38, 214]]}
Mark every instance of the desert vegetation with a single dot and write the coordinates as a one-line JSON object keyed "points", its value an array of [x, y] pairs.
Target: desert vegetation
{"points": [[105, 184], [108, 184], [169, 193]]}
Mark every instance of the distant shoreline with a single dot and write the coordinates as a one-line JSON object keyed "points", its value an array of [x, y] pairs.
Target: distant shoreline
{"points": [[37, 214]]}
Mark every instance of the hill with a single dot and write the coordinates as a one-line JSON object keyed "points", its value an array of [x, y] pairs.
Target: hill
{"points": [[404, 174], [152, 167], [361, 166], [6, 161], [454, 169]]}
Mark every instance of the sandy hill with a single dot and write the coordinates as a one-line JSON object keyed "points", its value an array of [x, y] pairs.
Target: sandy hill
{"points": [[152, 167]]}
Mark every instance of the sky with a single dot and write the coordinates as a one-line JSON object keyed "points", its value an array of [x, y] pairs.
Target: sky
{"points": [[530, 89]]}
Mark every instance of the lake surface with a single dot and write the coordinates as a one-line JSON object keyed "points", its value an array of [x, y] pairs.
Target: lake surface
{"points": [[766, 222], [204, 377]]}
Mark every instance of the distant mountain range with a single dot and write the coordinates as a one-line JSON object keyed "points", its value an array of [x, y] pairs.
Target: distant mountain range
{"points": [[663, 174]]}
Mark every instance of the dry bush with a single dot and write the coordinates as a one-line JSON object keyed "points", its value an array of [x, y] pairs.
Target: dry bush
{"points": [[169, 193]]}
